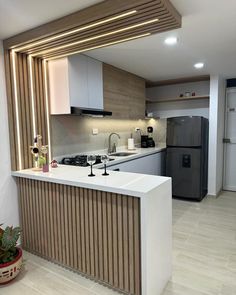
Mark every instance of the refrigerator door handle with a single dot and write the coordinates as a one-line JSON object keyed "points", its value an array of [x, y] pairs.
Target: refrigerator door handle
{"points": [[226, 140]]}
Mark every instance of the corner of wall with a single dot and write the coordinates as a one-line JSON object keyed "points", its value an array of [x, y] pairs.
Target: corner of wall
{"points": [[9, 214]]}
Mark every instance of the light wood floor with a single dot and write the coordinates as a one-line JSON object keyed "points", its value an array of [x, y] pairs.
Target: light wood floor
{"points": [[204, 257]]}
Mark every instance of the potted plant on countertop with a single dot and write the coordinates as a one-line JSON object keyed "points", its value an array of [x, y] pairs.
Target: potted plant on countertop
{"points": [[10, 255]]}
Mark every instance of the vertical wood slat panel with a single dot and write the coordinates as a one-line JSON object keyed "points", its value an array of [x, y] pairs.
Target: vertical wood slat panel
{"points": [[110, 241], [11, 109], [105, 237], [91, 233], [86, 231], [74, 228], [120, 238], [100, 236], [28, 111], [96, 233], [17, 106], [78, 231], [137, 252], [115, 240], [21, 106], [126, 245], [25, 114]]}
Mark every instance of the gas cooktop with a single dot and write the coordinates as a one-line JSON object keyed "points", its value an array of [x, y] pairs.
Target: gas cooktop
{"points": [[80, 160]]}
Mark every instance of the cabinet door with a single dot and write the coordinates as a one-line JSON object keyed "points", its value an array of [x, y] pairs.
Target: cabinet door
{"points": [[95, 84], [59, 86], [78, 81], [152, 165]]}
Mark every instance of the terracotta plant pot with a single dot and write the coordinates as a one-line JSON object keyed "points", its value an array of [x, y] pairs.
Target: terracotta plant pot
{"points": [[8, 271]]}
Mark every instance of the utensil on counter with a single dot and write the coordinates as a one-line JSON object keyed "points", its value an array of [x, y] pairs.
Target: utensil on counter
{"points": [[105, 160], [91, 159], [131, 142]]}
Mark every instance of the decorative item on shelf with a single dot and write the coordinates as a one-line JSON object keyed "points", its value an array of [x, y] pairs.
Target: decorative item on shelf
{"points": [[10, 255], [193, 93], [105, 160], [149, 115], [39, 152], [54, 164], [91, 159], [187, 93], [181, 95]]}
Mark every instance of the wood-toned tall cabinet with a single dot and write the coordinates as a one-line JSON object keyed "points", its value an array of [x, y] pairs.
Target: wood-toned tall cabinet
{"points": [[124, 93]]}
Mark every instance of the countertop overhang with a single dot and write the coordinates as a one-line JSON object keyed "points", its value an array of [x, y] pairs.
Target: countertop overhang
{"points": [[133, 184]]}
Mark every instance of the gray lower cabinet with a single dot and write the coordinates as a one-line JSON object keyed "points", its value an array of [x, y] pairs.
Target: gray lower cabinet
{"points": [[152, 164]]}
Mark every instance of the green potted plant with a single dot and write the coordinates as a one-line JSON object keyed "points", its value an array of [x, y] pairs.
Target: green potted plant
{"points": [[10, 255]]}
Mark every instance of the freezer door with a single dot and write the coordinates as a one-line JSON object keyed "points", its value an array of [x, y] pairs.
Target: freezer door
{"points": [[184, 166], [184, 131]]}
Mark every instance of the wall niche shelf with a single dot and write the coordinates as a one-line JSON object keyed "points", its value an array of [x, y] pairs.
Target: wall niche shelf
{"points": [[176, 99]]}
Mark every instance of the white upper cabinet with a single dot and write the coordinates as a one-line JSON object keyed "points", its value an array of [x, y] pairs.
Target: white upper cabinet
{"points": [[75, 81]]}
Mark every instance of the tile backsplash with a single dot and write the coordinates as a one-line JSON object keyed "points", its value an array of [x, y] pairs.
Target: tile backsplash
{"points": [[72, 134]]}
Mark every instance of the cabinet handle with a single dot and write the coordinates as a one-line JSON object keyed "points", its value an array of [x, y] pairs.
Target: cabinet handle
{"points": [[117, 169]]}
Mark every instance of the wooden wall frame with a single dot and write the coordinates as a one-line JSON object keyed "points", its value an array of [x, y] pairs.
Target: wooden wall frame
{"points": [[113, 21]]}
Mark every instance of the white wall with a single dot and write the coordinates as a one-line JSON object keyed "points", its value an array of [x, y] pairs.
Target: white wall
{"points": [[169, 91], [180, 108], [216, 134], [8, 192]]}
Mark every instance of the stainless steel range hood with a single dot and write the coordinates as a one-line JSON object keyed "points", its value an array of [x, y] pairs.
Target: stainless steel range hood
{"points": [[89, 112]]}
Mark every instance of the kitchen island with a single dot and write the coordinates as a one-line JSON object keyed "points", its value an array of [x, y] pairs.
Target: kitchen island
{"points": [[115, 229]]}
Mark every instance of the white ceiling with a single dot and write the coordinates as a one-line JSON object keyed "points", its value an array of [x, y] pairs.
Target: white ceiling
{"points": [[208, 34], [17, 16]]}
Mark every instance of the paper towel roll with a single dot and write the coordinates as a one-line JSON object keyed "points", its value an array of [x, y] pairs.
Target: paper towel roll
{"points": [[130, 144]]}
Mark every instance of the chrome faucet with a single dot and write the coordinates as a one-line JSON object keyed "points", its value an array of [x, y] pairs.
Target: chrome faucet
{"points": [[112, 149]]}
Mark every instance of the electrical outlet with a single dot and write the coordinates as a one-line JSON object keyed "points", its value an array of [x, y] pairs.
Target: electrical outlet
{"points": [[95, 131]]}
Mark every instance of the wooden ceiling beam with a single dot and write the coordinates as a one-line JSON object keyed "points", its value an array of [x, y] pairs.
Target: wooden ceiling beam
{"points": [[161, 24], [86, 16], [152, 13], [93, 13], [150, 29]]}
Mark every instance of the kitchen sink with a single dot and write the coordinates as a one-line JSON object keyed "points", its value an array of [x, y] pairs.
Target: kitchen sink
{"points": [[123, 154]]}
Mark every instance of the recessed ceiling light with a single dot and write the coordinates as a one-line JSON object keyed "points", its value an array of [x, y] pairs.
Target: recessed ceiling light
{"points": [[199, 65], [171, 40]]}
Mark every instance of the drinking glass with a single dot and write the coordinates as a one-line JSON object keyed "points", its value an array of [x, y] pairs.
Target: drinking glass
{"points": [[91, 159], [105, 160]]}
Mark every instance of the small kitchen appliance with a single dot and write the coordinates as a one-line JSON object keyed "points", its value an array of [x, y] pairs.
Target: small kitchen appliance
{"points": [[150, 141], [144, 141]]}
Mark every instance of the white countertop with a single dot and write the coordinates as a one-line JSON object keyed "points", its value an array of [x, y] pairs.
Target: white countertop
{"points": [[137, 185], [133, 184], [138, 153]]}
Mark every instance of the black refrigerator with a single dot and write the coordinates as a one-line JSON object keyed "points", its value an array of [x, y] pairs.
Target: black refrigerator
{"points": [[187, 156]]}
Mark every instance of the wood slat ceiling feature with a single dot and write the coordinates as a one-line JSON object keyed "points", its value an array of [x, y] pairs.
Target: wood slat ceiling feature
{"points": [[151, 17], [99, 43], [116, 25]]}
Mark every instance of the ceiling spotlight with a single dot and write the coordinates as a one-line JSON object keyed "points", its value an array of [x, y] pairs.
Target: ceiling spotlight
{"points": [[199, 65], [171, 41]]}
